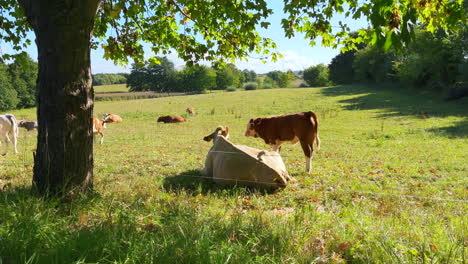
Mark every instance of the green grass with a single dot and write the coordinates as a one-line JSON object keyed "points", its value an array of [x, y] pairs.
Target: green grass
{"points": [[114, 88], [149, 206]]}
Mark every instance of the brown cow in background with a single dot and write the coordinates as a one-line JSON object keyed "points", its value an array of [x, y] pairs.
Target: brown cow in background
{"points": [[276, 130], [171, 119], [112, 118], [190, 111]]}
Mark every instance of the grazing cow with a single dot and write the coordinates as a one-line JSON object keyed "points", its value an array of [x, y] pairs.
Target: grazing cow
{"points": [[190, 111], [112, 118], [98, 128], [171, 119], [227, 163], [276, 130], [8, 128], [29, 125]]}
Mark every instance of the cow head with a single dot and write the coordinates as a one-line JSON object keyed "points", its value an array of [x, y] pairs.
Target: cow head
{"points": [[107, 118], [220, 130], [250, 132], [21, 123]]}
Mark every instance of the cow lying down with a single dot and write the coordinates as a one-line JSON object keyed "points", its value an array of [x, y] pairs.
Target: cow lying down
{"points": [[227, 163]]}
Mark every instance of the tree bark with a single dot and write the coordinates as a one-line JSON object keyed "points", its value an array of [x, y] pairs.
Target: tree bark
{"points": [[63, 162]]}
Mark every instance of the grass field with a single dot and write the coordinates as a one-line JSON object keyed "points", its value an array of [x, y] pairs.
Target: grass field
{"points": [[113, 88], [387, 186]]}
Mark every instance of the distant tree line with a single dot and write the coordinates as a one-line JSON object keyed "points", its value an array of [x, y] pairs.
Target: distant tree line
{"points": [[109, 78], [18, 83], [163, 77], [432, 62]]}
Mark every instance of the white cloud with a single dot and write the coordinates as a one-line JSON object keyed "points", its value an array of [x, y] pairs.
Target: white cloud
{"points": [[291, 61]]}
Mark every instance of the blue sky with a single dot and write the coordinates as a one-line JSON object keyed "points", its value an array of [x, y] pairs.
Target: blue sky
{"points": [[297, 52]]}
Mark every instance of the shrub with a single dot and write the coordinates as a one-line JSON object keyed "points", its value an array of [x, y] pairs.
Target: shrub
{"points": [[303, 85], [371, 64], [231, 89], [317, 75], [250, 86], [267, 86]]}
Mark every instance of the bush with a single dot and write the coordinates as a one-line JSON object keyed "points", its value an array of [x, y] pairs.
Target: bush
{"points": [[251, 86], [267, 86], [303, 85], [373, 65], [231, 89], [317, 75]]}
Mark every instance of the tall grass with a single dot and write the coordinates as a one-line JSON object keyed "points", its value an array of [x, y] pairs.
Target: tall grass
{"points": [[371, 197]]}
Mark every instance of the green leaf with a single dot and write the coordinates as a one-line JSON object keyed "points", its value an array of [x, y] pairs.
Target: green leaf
{"points": [[388, 41]]}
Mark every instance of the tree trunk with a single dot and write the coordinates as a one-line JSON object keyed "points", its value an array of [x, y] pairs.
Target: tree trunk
{"points": [[63, 162]]}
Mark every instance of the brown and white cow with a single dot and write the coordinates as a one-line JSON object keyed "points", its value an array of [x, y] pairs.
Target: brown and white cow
{"points": [[98, 128], [171, 119], [190, 111], [296, 127], [112, 118]]}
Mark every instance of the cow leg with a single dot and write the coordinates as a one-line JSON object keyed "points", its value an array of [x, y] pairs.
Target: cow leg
{"points": [[102, 138], [276, 147], [14, 141], [308, 152], [5, 147]]}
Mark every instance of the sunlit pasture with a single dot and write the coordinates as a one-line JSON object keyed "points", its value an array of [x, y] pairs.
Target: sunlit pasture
{"points": [[389, 185]]}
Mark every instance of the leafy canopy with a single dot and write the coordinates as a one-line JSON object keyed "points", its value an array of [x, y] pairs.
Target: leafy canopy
{"points": [[217, 30]]}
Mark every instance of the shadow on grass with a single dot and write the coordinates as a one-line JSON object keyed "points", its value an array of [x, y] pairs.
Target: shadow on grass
{"points": [[459, 130], [36, 230], [395, 101], [193, 183]]}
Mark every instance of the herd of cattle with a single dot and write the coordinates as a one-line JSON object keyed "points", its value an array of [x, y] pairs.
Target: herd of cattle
{"points": [[225, 162]]}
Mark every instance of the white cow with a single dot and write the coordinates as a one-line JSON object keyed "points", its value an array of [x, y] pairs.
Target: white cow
{"points": [[227, 163], [8, 128]]}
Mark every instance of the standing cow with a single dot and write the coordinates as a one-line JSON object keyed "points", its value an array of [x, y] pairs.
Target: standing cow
{"points": [[297, 127], [8, 128]]}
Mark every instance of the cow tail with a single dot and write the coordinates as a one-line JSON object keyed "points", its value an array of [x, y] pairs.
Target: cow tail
{"points": [[14, 125], [314, 118]]}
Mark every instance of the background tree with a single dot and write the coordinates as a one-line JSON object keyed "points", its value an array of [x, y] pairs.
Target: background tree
{"points": [[317, 75], [249, 75], [196, 79], [283, 80], [8, 95], [23, 76], [109, 78], [371, 64], [66, 30], [150, 76], [433, 61], [228, 76]]}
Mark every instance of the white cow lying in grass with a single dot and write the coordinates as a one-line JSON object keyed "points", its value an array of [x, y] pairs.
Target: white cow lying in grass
{"points": [[8, 128], [227, 163]]}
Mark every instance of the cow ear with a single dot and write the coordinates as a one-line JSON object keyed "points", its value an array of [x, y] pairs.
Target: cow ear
{"points": [[257, 121], [251, 120], [227, 130]]}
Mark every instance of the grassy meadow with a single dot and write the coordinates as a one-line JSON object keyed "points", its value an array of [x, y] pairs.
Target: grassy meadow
{"points": [[114, 88], [389, 185]]}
